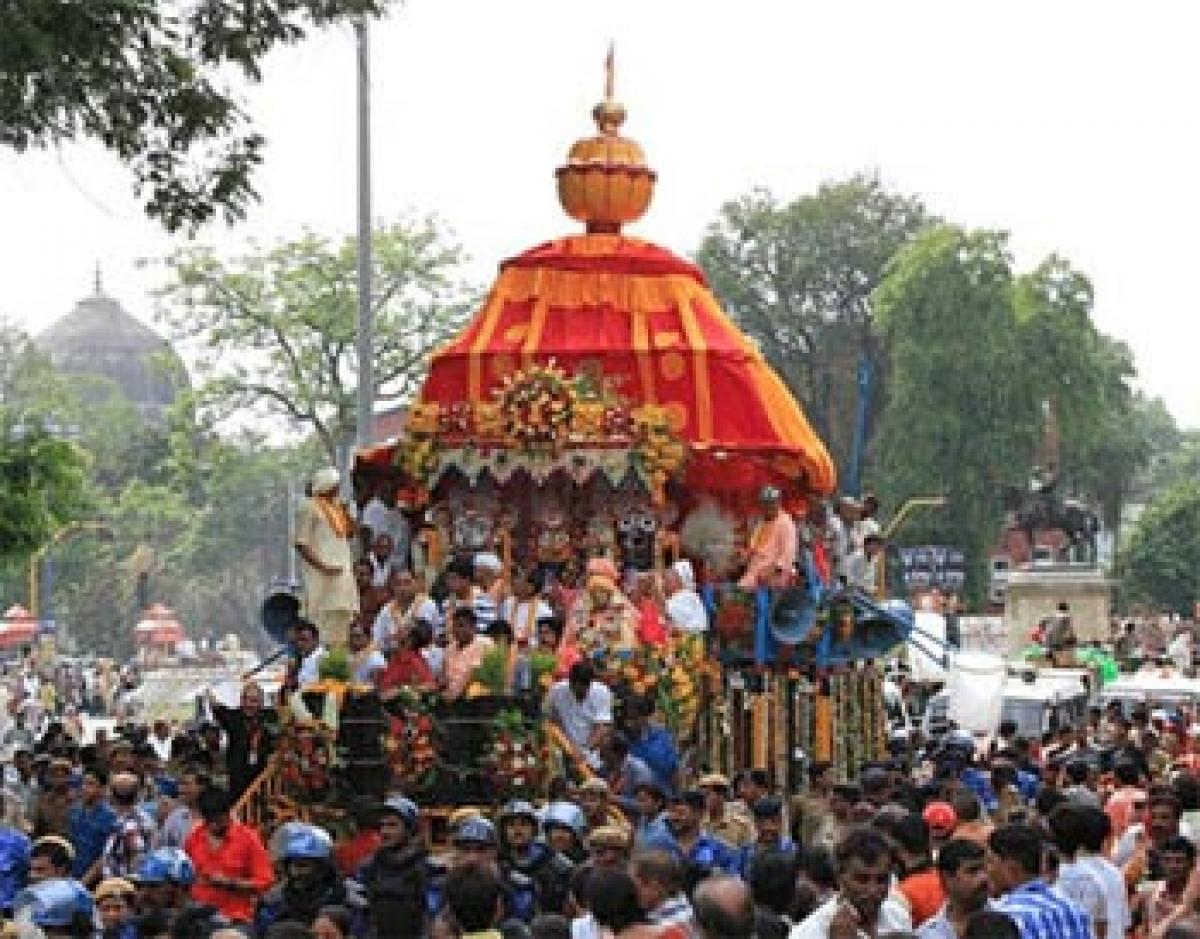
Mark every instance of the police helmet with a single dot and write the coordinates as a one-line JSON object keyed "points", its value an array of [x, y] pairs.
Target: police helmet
{"points": [[167, 866], [54, 904], [475, 831]]}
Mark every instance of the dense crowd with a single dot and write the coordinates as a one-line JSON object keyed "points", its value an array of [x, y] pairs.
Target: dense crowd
{"points": [[1087, 832]]}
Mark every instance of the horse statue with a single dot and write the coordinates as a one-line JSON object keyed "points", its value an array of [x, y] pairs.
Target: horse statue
{"points": [[1044, 510]]}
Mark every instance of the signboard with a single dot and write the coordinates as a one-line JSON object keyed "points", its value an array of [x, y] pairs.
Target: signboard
{"points": [[983, 634], [933, 567]]}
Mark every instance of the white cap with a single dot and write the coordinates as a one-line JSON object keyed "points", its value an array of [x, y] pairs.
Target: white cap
{"points": [[488, 562], [326, 479]]}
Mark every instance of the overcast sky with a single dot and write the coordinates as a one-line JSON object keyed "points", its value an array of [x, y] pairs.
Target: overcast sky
{"points": [[1070, 124]]}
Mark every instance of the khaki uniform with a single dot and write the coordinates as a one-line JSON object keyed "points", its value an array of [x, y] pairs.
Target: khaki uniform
{"points": [[734, 829]]}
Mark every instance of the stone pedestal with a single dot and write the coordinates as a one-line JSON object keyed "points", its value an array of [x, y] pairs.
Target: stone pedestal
{"points": [[1035, 591]]}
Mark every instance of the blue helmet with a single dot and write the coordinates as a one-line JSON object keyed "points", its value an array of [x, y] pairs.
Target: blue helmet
{"points": [[301, 841], [475, 830], [53, 903], [565, 815], [405, 808], [519, 808], [167, 866]]}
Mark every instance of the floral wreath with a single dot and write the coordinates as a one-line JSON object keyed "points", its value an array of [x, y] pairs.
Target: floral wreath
{"points": [[536, 406]]}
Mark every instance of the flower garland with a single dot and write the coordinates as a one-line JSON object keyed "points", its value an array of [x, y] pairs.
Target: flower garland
{"points": [[410, 750], [518, 757], [537, 405], [674, 675], [659, 453]]}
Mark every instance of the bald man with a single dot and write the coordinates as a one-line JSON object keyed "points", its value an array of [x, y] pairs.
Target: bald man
{"points": [[723, 907]]}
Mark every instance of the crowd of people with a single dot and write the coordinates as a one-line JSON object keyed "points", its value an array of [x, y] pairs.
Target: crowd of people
{"points": [[1087, 833], [1090, 832]]}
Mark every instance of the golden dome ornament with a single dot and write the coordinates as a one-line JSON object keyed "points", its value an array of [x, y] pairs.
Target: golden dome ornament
{"points": [[605, 182]]}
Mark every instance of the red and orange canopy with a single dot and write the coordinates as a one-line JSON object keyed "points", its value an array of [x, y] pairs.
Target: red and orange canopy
{"points": [[646, 320]]}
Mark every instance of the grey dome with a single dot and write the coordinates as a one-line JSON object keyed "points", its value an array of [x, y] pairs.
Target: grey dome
{"points": [[100, 338]]}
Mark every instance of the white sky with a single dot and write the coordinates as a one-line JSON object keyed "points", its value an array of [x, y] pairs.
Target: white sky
{"points": [[1070, 124]]}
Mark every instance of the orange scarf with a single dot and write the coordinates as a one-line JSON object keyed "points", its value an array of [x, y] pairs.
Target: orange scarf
{"points": [[335, 514]]}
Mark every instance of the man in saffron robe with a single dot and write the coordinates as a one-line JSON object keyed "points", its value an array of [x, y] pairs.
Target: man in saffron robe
{"points": [[323, 532], [771, 554]]}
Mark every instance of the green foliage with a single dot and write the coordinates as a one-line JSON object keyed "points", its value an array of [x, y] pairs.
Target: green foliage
{"points": [[1162, 562], [42, 476], [41, 486], [974, 352], [334, 666], [1177, 461], [276, 330], [1105, 429], [798, 278], [492, 672], [961, 416], [147, 79]]}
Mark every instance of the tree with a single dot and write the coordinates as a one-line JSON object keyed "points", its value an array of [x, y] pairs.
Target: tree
{"points": [[1162, 562], [147, 80], [276, 330], [1105, 430], [41, 475], [41, 486], [799, 279], [1176, 462], [961, 415]]}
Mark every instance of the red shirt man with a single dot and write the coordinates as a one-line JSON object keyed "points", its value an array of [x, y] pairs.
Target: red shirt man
{"points": [[233, 869]]}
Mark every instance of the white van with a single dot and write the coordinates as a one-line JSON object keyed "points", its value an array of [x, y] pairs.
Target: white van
{"points": [[1036, 706]]}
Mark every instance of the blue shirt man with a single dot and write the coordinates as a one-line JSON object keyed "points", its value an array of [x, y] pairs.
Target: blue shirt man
{"points": [[653, 745], [703, 853], [1040, 912], [14, 865], [768, 823], [89, 824]]}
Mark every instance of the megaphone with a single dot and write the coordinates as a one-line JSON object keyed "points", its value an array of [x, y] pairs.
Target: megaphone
{"points": [[793, 614], [280, 610], [880, 627], [794, 609]]}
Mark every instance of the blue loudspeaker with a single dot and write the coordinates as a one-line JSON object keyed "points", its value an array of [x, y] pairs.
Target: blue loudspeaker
{"points": [[793, 614], [794, 609]]}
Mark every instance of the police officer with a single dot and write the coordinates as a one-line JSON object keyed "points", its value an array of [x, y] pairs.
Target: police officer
{"points": [[565, 827], [521, 851], [163, 880], [60, 908], [395, 880], [310, 878], [475, 842]]}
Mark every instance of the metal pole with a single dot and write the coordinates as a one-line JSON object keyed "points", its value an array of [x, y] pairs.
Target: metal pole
{"points": [[291, 533], [366, 350]]}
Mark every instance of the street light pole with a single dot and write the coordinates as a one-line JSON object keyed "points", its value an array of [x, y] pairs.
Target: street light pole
{"points": [[366, 343]]}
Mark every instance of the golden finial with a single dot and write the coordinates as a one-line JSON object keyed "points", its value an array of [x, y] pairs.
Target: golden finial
{"points": [[606, 182], [609, 114]]}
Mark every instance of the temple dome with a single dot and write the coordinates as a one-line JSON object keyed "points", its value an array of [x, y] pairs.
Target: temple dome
{"points": [[99, 337]]}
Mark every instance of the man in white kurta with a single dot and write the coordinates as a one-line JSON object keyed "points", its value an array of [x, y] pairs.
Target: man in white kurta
{"points": [[323, 532]]}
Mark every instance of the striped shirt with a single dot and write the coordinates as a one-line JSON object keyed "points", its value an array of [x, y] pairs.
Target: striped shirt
{"points": [[1041, 912]]}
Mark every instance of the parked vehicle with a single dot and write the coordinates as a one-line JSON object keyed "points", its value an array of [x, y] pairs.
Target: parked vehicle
{"points": [[1153, 690], [1036, 700]]}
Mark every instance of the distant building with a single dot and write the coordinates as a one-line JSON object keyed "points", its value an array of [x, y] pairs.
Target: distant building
{"points": [[99, 337]]}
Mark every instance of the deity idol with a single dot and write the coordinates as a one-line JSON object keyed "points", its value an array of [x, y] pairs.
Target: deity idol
{"points": [[603, 618]]}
